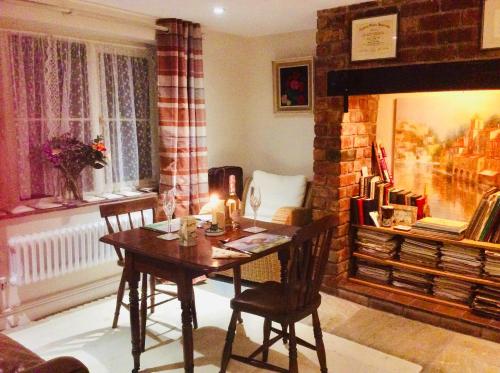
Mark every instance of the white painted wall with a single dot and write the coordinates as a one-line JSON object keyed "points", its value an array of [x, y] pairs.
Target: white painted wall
{"points": [[242, 127]]}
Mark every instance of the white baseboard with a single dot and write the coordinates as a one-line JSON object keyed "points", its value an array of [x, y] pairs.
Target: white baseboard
{"points": [[61, 301]]}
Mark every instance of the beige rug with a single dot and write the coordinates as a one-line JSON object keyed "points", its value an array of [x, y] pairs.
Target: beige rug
{"points": [[85, 333]]}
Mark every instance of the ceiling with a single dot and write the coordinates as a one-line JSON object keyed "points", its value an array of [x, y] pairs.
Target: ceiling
{"points": [[241, 17]]}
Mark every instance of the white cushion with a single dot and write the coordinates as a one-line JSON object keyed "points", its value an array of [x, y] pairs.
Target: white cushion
{"points": [[276, 191]]}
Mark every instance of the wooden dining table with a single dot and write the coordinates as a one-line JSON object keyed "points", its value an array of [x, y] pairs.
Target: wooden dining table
{"points": [[146, 253]]}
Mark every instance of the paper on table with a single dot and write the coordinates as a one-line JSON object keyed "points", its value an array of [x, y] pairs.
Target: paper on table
{"points": [[20, 209], [162, 226], [42, 205], [110, 196], [254, 230], [130, 193], [90, 198], [218, 253], [257, 243]]}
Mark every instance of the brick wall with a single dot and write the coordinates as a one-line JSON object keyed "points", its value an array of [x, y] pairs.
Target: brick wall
{"points": [[429, 31]]}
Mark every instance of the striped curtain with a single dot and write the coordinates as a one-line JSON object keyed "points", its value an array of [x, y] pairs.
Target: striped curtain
{"points": [[181, 110]]}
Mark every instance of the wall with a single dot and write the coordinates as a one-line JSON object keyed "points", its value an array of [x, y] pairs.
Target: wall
{"points": [[429, 31], [242, 127]]}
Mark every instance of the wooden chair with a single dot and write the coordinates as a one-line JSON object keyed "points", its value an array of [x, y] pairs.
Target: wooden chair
{"points": [[289, 302], [122, 208]]}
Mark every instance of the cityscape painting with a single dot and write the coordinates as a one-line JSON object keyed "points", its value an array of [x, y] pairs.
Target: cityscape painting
{"points": [[448, 143]]}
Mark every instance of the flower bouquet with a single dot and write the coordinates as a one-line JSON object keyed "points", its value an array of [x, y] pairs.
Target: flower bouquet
{"points": [[71, 156]]}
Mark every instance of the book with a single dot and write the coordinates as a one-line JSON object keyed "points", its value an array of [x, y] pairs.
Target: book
{"points": [[485, 220], [439, 224], [257, 243]]}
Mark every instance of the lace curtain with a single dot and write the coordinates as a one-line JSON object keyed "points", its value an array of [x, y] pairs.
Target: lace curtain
{"points": [[50, 95], [126, 117], [60, 85]]}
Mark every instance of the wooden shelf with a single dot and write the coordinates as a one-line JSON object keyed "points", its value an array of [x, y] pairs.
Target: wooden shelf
{"points": [[432, 271], [410, 293], [465, 242]]}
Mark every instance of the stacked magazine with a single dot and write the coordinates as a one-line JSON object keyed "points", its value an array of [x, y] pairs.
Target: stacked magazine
{"points": [[410, 280], [460, 259], [492, 264], [379, 245], [487, 301], [420, 252], [451, 289], [441, 228], [373, 272]]}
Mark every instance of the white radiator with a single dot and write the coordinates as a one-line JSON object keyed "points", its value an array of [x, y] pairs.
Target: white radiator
{"points": [[41, 256]]}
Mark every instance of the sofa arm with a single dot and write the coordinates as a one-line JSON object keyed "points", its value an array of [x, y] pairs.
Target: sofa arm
{"points": [[65, 364], [298, 216]]}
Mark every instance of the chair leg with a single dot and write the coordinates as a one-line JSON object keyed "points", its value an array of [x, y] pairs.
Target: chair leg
{"points": [[285, 333], [228, 347], [144, 308], [119, 299], [267, 334], [193, 311], [320, 347], [152, 289], [292, 350]]}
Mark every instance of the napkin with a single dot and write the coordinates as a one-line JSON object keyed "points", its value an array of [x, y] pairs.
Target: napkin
{"points": [[218, 253], [20, 209]]}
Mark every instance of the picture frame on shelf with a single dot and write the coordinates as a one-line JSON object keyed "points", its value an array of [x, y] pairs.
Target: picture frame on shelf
{"points": [[293, 85], [490, 26], [374, 38], [404, 215]]}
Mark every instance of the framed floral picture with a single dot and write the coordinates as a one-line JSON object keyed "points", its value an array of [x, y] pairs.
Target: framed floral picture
{"points": [[293, 85]]}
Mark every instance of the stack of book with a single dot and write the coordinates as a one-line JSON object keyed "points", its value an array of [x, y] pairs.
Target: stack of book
{"points": [[461, 259], [441, 228], [486, 219], [492, 264], [379, 245], [451, 289], [487, 301], [420, 282], [420, 252], [373, 272]]}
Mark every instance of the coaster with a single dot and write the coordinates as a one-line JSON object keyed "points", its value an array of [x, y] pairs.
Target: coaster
{"points": [[169, 236], [254, 229]]}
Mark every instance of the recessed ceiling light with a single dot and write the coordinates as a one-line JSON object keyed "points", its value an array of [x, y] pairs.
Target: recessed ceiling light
{"points": [[219, 10]]}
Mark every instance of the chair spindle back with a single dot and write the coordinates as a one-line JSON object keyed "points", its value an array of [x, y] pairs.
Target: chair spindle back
{"points": [[307, 264]]}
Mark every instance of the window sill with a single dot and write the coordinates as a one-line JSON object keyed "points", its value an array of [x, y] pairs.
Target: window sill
{"points": [[9, 216]]}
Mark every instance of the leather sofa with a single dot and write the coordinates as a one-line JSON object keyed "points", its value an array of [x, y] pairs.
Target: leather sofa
{"points": [[15, 358]]}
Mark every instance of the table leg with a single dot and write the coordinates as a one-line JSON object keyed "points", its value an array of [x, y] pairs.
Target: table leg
{"points": [[133, 283], [237, 287], [283, 257], [185, 295]]}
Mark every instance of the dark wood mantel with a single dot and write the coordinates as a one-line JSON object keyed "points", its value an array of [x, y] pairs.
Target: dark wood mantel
{"points": [[447, 76]]}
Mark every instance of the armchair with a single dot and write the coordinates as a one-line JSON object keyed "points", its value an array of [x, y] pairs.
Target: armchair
{"points": [[285, 200]]}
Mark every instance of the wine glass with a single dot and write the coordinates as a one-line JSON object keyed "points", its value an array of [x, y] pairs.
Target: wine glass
{"points": [[255, 200], [168, 204]]}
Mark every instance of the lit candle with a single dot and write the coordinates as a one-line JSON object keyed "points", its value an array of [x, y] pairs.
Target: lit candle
{"points": [[214, 199]]}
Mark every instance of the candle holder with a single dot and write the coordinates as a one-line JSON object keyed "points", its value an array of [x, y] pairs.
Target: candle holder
{"points": [[214, 230]]}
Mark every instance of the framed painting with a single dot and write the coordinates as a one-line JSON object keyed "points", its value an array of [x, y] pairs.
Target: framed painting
{"points": [[490, 30], [448, 144], [374, 38], [293, 85]]}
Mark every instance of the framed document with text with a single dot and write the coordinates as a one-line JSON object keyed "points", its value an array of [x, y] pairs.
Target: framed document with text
{"points": [[374, 38], [490, 31]]}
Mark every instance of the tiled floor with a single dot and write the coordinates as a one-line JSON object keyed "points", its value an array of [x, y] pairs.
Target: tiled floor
{"points": [[85, 333], [436, 349]]}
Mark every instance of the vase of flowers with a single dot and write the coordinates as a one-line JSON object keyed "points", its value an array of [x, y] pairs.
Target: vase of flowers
{"points": [[70, 157]]}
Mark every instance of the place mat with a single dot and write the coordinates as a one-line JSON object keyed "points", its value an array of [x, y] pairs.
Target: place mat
{"points": [[218, 253], [254, 230], [257, 243], [162, 226]]}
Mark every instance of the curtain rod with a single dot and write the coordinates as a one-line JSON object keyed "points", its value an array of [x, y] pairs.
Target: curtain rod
{"points": [[71, 11], [96, 41]]}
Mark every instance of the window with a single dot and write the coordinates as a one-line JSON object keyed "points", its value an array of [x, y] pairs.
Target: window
{"points": [[61, 85]]}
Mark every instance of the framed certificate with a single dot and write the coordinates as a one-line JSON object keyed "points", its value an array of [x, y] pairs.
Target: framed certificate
{"points": [[490, 32], [374, 38]]}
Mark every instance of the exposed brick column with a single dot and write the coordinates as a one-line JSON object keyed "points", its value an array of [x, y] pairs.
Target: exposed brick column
{"points": [[342, 146]]}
